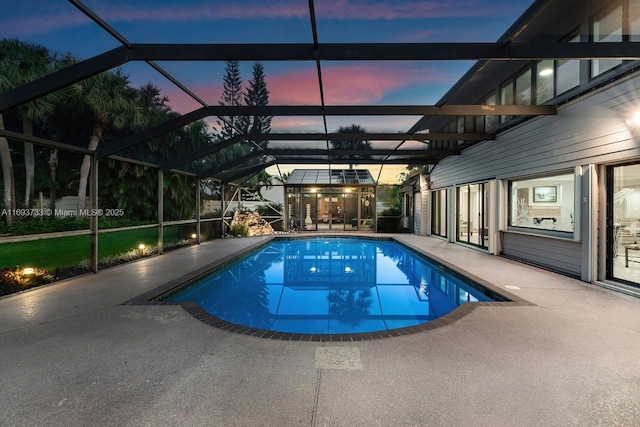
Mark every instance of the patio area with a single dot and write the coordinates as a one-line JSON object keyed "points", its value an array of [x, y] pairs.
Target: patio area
{"points": [[72, 354]]}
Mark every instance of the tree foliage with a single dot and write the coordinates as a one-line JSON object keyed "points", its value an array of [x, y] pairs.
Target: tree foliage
{"points": [[231, 96], [108, 107], [361, 145]]}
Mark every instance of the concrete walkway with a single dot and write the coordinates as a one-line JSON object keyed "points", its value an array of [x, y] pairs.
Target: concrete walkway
{"points": [[72, 355]]}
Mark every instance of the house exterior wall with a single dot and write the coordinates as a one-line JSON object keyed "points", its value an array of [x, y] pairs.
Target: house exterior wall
{"points": [[417, 213], [587, 133], [591, 129]]}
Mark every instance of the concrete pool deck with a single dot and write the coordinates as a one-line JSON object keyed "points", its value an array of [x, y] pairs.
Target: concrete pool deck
{"points": [[72, 354]]}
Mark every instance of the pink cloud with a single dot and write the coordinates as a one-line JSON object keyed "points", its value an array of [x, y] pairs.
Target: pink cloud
{"points": [[180, 101], [297, 124], [347, 84], [299, 87], [344, 85]]}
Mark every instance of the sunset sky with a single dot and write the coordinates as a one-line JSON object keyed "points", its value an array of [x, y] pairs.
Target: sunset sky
{"points": [[58, 25]]}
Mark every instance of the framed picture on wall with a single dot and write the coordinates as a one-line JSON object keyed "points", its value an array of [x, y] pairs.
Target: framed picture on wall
{"points": [[545, 194]]}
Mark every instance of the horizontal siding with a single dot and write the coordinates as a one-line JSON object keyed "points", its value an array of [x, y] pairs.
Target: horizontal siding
{"points": [[417, 213], [556, 254], [591, 129]]}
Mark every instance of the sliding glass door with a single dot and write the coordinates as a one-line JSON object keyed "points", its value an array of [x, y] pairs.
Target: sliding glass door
{"points": [[472, 216], [623, 224]]}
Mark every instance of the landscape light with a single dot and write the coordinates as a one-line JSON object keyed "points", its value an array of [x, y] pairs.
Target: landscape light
{"points": [[194, 235], [28, 271], [141, 246]]}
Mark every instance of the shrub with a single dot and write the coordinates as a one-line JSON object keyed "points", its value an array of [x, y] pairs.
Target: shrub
{"points": [[46, 225], [34, 225], [390, 220], [239, 230], [18, 279]]}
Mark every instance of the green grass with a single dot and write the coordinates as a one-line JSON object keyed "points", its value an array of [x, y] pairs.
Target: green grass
{"points": [[49, 254]]}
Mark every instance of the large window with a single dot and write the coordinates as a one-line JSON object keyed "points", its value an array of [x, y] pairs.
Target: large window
{"points": [[623, 194], [544, 203], [506, 98], [523, 88], [439, 213], [553, 78], [490, 122], [545, 88], [607, 28], [568, 71]]}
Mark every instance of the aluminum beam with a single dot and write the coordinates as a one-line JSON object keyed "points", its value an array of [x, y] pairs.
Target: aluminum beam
{"points": [[403, 161], [370, 136], [381, 110], [514, 51], [355, 152], [310, 52]]}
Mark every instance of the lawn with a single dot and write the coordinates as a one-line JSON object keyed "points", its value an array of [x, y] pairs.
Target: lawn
{"points": [[50, 254]]}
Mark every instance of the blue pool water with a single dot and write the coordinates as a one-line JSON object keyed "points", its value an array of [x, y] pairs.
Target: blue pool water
{"points": [[330, 285]]}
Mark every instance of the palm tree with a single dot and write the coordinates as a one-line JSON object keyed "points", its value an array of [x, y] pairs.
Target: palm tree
{"points": [[350, 306], [23, 63], [111, 101], [62, 118], [350, 144], [7, 175]]}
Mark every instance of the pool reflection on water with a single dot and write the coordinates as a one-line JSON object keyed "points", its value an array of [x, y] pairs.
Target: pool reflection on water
{"points": [[330, 285]]}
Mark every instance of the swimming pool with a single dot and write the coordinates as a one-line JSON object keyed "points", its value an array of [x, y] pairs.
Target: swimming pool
{"points": [[331, 286]]}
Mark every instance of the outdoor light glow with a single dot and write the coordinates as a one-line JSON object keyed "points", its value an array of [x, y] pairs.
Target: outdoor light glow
{"points": [[194, 235], [313, 190], [141, 246], [546, 72], [347, 270], [348, 190], [635, 120], [28, 271], [313, 269]]}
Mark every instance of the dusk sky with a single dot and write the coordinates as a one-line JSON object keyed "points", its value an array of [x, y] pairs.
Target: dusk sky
{"points": [[58, 25]]}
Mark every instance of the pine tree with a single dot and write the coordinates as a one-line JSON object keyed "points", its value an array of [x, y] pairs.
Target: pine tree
{"points": [[256, 94], [231, 96]]}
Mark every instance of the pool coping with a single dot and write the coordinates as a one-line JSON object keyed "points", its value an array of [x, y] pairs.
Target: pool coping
{"points": [[151, 298]]}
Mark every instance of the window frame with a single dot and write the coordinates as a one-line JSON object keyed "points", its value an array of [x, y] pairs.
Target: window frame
{"points": [[624, 31], [437, 230], [565, 234]]}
